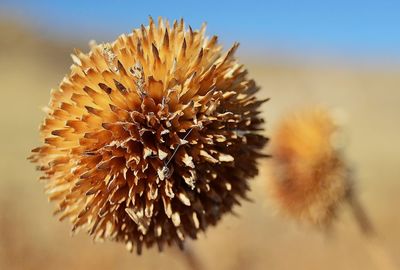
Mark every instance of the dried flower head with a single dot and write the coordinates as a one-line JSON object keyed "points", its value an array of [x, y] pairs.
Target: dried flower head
{"points": [[151, 138], [310, 178]]}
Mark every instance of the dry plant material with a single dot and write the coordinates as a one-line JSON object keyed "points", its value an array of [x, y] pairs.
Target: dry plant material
{"points": [[152, 138], [310, 178]]}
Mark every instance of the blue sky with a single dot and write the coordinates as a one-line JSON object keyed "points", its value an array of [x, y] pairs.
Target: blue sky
{"points": [[369, 28]]}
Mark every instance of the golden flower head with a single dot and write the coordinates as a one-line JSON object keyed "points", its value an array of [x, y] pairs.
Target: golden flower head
{"points": [[152, 138], [310, 178]]}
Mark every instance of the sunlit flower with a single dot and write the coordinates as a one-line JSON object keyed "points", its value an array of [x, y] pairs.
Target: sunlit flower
{"points": [[152, 138]]}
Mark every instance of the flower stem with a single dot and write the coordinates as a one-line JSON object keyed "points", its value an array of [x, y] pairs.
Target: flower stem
{"points": [[380, 255]]}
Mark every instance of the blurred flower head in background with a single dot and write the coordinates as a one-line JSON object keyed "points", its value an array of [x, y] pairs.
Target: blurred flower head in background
{"points": [[310, 177]]}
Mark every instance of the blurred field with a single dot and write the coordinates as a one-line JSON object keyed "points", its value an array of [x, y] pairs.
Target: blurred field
{"points": [[31, 238]]}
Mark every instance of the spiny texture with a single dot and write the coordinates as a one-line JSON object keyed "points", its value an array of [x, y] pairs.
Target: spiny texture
{"points": [[310, 177], [151, 138]]}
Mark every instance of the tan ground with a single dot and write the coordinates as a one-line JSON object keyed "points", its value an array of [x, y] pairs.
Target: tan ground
{"points": [[30, 238]]}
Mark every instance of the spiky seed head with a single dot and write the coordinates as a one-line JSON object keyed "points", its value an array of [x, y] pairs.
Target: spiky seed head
{"points": [[310, 177], [152, 138]]}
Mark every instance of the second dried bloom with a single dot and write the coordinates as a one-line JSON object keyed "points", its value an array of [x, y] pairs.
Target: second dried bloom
{"points": [[310, 178]]}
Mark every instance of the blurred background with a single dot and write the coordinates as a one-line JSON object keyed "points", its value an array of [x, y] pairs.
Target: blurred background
{"points": [[344, 55]]}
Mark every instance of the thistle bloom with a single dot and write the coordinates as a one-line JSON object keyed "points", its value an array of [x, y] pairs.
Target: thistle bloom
{"points": [[310, 178], [152, 138]]}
